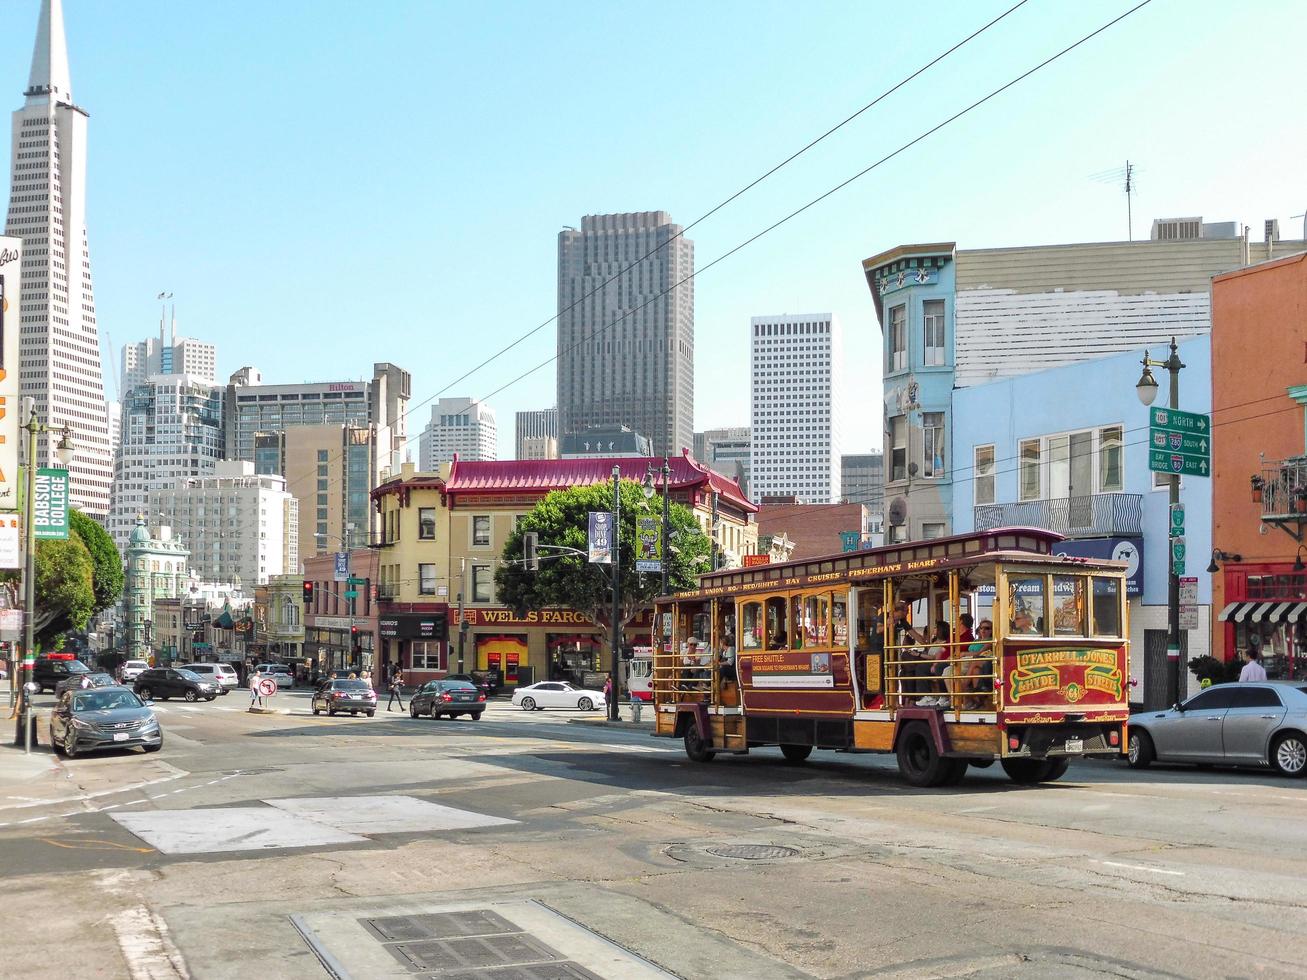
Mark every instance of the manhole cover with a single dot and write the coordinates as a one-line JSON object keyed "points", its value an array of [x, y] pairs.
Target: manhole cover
{"points": [[519, 950], [442, 925], [753, 852]]}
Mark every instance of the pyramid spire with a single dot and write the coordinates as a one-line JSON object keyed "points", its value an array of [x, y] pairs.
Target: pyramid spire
{"points": [[50, 79]]}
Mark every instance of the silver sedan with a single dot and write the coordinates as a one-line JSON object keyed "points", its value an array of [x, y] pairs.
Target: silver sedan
{"points": [[1242, 724]]}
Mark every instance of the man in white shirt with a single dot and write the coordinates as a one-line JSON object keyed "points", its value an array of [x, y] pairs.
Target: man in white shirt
{"points": [[1252, 669]]}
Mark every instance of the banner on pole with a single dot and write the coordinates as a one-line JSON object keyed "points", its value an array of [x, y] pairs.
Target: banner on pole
{"points": [[601, 537], [648, 544], [50, 503], [341, 573]]}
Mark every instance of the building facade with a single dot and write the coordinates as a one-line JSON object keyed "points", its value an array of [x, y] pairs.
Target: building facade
{"points": [[240, 527], [535, 424], [1067, 449], [1259, 465], [59, 344], [812, 530], [170, 428], [156, 568], [795, 406], [952, 318], [626, 328], [462, 427], [727, 451], [862, 481], [167, 354], [340, 630], [599, 443], [538, 447], [279, 619], [444, 534]]}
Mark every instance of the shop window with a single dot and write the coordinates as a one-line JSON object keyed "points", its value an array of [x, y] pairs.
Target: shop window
{"points": [[427, 655]]}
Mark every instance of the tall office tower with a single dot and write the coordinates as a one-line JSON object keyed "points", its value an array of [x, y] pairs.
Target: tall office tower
{"points": [[59, 343], [537, 424], [626, 328], [238, 525], [171, 428], [167, 354], [458, 425], [796, 407]]}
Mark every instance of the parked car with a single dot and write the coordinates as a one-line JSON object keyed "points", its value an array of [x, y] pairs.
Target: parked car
{"points": [[162, 683], [480, 683], [92, 678], [221, 675], [51, 668], [1240, 724], [279, 673], [449, 696], [131, 669], [557, 694], [85, 720], [339, 695]]}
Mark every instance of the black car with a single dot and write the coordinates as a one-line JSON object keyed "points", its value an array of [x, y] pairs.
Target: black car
{"points": [[87, 719], [477, 680], [162, 683], [52, 668], [448, 697], [92, 678]]}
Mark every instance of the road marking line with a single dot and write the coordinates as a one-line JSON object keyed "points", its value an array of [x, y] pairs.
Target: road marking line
{"points": [[98, 793], [978, 809], [1141, 867], [146, 946]]}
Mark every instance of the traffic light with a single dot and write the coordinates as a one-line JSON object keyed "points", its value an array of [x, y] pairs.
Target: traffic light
{"points": [[530, 540], [308, 593]]}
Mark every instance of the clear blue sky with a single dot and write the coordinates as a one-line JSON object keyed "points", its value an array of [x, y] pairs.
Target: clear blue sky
{"points": [[325, 183]]}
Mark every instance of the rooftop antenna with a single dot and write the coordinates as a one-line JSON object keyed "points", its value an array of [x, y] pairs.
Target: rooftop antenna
{"points": [[1304, 223], [1126, 175]]}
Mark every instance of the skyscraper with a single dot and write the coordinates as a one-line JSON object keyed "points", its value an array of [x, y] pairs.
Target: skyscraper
{"points": [[458, 425], [59, 344], [166, 354], [626, 347], [537, 424], [796, 407]]}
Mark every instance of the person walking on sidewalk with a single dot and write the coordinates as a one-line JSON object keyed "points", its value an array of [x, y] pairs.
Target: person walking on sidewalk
{"points": [[396, 691], [255, 697]]}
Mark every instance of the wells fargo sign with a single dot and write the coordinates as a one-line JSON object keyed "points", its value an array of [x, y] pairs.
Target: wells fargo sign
{"points": [[1065, 676], [538, 617]]}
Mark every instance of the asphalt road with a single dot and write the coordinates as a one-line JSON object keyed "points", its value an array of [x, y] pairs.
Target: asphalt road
{"points": [[222, 854]]}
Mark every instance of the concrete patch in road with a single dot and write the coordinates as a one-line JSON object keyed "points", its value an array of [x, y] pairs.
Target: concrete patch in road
{"points": [[385, 814], [230, 829]]}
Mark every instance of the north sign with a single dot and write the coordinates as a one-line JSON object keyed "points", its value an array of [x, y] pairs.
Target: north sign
{"points": [[1174, 420]]}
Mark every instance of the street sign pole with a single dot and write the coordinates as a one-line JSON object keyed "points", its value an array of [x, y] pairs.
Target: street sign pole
{"points": [[1177, 562]]}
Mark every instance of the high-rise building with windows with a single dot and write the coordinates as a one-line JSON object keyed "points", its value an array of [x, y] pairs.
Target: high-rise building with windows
{"points": [[171, 427], [536, 424], [359, 424], [59, 342], [795, 401], [166, 354], [239, 526], [459, 426], [726, 451], [626, 328]]}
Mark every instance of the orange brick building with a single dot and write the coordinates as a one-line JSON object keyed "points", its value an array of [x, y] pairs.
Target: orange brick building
{"points": [[1259, 463]]}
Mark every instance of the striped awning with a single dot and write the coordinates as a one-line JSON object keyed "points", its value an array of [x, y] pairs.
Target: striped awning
{"points": [[1229, 611], [1298, 609], [1244, 609], [1260, 610]]}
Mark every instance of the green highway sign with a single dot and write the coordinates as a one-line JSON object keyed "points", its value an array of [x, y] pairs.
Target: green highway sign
{"points": [[1177, 567], [1174, 420], [1183, 442], [1177, 520], [1177, 549], [1161, 461], [351, 594]]}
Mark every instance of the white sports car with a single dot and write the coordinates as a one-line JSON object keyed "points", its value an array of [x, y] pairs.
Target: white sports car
{"points": [[557, 694]]}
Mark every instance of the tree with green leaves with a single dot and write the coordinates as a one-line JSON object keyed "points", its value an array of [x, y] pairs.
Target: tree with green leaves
{"points": [[567, 580], [107, 562], [65, 588]]}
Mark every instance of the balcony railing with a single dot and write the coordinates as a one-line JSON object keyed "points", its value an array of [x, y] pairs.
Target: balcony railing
{"points": [[387, 591], [1096, 515], [1284, 487], [378, 539]]}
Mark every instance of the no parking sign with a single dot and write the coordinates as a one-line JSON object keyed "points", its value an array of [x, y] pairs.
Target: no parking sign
{"points": [[267, 687]]}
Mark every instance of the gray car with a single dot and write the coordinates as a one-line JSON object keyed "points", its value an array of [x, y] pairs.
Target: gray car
{"points": [[1241, 724], [84, 720]]}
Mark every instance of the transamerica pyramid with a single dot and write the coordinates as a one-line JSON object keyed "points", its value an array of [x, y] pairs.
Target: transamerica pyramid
{"points": [[59, 343]]}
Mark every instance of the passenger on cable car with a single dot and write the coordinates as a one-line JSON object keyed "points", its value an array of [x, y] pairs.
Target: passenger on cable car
{"points": [[908, 652], [1023, 623], [978, 671]]}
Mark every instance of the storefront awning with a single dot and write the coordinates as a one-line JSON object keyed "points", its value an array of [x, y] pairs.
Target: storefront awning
{"points": [[1260, 610], [1277, 614], [1297, 610], [1229, 611]]}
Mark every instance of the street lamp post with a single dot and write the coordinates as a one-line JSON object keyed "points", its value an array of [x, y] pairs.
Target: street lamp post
{"points": [[616, 638], [1146, 388], [666, 555], [64, 451]]}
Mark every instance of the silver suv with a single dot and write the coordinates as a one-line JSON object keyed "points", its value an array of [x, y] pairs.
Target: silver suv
{"points": [[222, 676]]}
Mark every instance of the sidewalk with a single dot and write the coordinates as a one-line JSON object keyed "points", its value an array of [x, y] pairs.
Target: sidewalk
{"points": [[645, 724]]}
